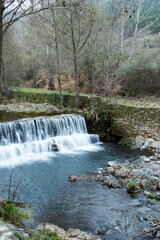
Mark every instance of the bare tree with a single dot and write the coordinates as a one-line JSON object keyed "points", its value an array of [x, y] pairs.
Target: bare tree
{"points": [[139, 15], [76, 33], [12, 11]]}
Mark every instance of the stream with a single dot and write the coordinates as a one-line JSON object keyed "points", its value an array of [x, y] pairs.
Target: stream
{"points": [[89, 206]]}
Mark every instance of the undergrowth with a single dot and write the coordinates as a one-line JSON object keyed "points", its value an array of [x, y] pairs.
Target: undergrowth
{"points": [[10, 213]]}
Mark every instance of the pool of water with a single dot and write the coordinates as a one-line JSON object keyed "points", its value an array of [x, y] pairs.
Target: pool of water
{"points": [[45, 185]]}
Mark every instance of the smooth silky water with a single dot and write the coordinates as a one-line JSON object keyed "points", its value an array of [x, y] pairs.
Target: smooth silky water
{"points": [[26, 145]]}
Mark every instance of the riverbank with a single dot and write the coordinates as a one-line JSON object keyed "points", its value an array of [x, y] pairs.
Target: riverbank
{"points": [[46, 231]]}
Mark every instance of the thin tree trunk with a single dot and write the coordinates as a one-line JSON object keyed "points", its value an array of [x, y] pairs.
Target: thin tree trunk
{"points": [[77, 80], [34, 73], [4, 77], [1, 43], [90, 73], [51, 77], [75, 63], [57, 58], [122, 33], [58, 68], [134, 44], [50, 68]]}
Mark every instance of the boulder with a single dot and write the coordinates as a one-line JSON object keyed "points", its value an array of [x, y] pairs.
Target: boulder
{"points": [[54, 147]]}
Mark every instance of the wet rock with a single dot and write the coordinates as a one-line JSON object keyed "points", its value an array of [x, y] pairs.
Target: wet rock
{"points": [[99, 178], [114, 234], [74, 178], [112, 164], [54, 147]]}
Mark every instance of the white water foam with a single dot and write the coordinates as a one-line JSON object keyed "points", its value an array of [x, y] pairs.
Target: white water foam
{"points": [[26, 141]]}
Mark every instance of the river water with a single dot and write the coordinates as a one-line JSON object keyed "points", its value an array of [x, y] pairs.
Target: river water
{"points": [[85, 205]]}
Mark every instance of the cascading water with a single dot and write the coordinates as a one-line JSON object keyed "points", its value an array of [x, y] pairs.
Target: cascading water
{"points": [[28, 138]]}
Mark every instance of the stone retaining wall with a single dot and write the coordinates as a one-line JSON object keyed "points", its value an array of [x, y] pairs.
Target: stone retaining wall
{"points": [[51, 98], [141, 125]]}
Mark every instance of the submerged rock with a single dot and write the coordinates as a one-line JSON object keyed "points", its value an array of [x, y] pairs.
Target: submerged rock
{"points": [[74, 178]]}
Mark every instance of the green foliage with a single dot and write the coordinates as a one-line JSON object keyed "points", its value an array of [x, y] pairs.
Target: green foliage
{"points": [[126, 142], [65, 110], [88, 116], [132, 186], [102, 114], [154, 195], [12, 214], [44, 234], [54, 97]]}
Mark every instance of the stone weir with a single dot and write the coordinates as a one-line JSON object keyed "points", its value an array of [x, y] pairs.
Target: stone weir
{"points": [[137, 126], [43, 135]]}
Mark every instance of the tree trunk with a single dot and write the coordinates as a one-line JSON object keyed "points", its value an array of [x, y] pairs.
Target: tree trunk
{"points": [[57, 58], [75, 62], [34, 73], [122, 33], [90, 73], [1, 43], [77, 81], [58, 68], [51, 79], [4, 77], [134, 44], [50, 68]]}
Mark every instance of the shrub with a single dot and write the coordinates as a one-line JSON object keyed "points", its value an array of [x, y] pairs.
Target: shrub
{"points": [[12, 214], [141, 74]]}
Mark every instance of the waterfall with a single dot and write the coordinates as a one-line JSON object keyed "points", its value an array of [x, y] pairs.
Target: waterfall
{"points": [[38, 135]]}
